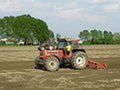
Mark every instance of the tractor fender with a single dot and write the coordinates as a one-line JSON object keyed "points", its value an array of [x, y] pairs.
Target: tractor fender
{"points": [[82, 51]]}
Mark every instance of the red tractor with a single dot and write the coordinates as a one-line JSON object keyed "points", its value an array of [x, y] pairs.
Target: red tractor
{"points": [[67, 52]]}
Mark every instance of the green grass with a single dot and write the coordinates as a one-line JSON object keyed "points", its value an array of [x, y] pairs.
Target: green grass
{"points": [[14, 45], [100, 44]]}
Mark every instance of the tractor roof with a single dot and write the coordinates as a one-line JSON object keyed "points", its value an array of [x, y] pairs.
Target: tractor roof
{"points": [[68, 39]]}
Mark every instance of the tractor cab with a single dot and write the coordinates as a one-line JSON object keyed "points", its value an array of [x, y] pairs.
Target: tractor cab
{"points": [[63, 42], [66, 52]]}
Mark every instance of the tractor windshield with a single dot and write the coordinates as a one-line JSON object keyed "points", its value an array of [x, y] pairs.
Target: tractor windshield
{"points": [[62, 44]]}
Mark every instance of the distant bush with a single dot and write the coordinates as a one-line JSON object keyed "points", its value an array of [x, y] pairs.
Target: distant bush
{"points": [[2, 42], [99, 37]]}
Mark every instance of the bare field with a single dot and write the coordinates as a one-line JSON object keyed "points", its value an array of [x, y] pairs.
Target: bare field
{"points": [[17, 72]]}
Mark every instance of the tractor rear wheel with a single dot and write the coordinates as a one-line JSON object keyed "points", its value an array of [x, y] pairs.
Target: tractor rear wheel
{"points": [[51, 64], [79, 61]]}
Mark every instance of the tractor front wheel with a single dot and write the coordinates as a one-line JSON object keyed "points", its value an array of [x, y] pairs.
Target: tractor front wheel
{"points": [[79, 61], [51, 64]]}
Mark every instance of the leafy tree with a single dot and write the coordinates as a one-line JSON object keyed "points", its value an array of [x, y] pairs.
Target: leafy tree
{"points": [[85, 35], [26, 28], [116, 38], [99, 37], [108, 37], [58, 35], [94, 34], [6, 26]]}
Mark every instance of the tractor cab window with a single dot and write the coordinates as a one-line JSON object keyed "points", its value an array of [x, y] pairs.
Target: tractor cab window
{"points": [[62, 44], [75, 44], [69, 43]]}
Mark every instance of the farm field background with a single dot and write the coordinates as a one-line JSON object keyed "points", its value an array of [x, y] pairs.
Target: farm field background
{"points": [[17, 71]]}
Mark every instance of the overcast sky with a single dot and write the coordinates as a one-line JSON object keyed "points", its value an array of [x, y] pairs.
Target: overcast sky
{"points": [[68, 16]]}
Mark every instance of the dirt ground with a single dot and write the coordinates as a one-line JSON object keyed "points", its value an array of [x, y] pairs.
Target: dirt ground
{"points": [[17, 72]]}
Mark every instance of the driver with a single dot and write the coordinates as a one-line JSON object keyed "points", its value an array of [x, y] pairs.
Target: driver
{"points": [[68, 50]]}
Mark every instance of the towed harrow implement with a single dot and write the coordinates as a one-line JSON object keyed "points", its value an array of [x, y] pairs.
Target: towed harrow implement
{"points": [[96, 65]]}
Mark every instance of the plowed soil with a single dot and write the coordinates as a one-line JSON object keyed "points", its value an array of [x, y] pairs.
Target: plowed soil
{"points": [[17, 71]]}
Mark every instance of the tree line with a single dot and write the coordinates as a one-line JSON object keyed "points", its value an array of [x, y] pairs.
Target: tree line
{"points": [[29, 29], [25, 28], [99, 37]]}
